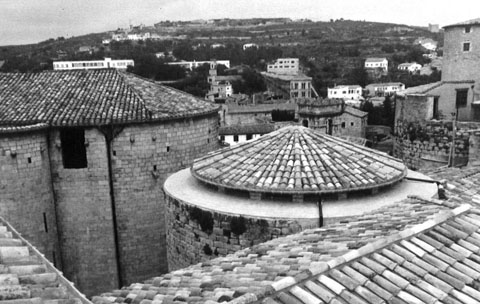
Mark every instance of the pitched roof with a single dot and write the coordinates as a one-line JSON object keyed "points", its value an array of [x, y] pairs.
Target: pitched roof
{"points": [[91, 97], [468, 22], [375, 59], [426, 88], [421, 89], [27, 277], [254, 270], [355, 112], [428, 263], [352, 87], [246, 129], [288, 77], [296, 159], [386, 84]]}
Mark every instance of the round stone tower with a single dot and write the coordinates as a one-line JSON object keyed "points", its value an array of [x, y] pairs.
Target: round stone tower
{"points": [[286, 181]]}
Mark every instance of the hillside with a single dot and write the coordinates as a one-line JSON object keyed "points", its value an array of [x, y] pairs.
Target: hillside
{"points": [[331, 52]]}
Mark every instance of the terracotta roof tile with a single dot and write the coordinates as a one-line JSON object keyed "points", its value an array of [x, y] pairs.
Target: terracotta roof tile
{"points": [[91, 97], [298, 153]]}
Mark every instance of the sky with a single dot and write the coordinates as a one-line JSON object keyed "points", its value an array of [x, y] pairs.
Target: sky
{"points": [[32, 21]]}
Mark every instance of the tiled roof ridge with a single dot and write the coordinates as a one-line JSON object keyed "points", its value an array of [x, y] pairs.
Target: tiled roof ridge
{"points": [[322, 267], [64, 281]]}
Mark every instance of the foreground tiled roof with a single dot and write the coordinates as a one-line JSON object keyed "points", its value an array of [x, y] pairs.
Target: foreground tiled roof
{"points": [[91, 97], [292, 258], [435, 262], [295, 159], [26, 277]]}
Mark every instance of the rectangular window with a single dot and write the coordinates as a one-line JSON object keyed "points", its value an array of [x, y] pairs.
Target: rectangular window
{"points": [[249, 136], [74, 153], [466, 46], [468, 29], [235, 138], [461, 100]]}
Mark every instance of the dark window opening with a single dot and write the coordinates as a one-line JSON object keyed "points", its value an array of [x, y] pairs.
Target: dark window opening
{"points": [[235, 138], [466, 46], [45, 224], [114, 153], [435, 108], [154, 167], [305, 123], [222, 137], [29, 160], [468, 29], [249, 136], [461, 100], [352, 124], [343, 125], [74, 152], [168, 148]]}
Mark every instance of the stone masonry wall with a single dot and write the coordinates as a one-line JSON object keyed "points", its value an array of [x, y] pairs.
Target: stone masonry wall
{"points": [[425, 145], [195, 235], [85, 216], [143, 157], [342, 125], [26, 196]]}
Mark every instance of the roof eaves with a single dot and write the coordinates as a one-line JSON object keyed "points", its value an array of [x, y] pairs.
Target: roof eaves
{"points": [[323, 267]]}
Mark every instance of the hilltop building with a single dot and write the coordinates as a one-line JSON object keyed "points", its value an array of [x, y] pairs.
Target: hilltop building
{"points": [[411, 67], [332, 116], [434, 28], [282, 66], [377, 64], [83, 156], [107, 63], [345, 92], [384, 89], [190, 65], [290, 86]]}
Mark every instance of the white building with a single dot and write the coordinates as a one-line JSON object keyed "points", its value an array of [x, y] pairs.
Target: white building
{"points": [[377, 63], [411, 67], [284, 66], [195, 64], [93, 64], [384, 89], [250, 45], [346, 92]]}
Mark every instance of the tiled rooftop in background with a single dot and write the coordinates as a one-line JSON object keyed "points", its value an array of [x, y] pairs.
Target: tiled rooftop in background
{"points": [[298, 160], [26, 277], [91, 97]]}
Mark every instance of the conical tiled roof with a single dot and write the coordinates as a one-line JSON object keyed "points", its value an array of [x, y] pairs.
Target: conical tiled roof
{"points": [[296, 160]]}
